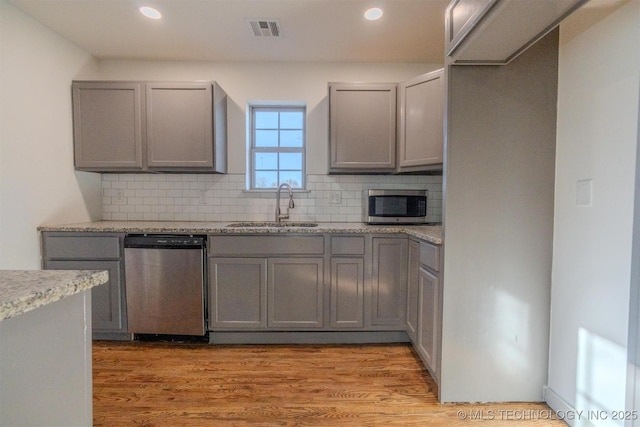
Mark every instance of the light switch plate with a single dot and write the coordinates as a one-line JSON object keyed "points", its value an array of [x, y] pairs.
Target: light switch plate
{"points": [[584, 192]]}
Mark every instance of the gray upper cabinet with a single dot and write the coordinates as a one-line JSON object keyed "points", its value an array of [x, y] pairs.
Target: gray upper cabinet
{"points": [[497, 31], [108, 128], [149, 127], [362, 127], [180, 126], [421, 123]]}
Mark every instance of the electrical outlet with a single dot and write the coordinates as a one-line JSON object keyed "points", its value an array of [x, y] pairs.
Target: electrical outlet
{"points": [[202, 199], [335, 197], [120, 196]]}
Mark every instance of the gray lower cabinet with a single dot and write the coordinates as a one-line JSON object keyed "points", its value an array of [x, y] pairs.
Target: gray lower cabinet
{"points": [[149, 127], [86, 251], [389, 282], [428, 322], [347, 281], [424, 303], [270, 282], [347, 292], [295, 289], [273, 293], [237, 293], [413, 280]]}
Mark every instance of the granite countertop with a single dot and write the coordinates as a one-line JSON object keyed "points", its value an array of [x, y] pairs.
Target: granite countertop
{"points": [[429, 233], [24, 290]]}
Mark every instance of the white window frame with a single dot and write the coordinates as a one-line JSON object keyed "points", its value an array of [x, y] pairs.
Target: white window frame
{"points": [[253, 149]]}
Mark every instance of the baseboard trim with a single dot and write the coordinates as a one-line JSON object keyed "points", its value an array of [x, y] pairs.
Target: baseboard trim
{"points": [[308, 337], [563, 409]]}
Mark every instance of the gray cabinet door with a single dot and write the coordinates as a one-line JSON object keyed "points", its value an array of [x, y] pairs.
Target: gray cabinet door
{"points": [[108, 130], [461, 17], [93, 251], [421, 137], [413, 280], [179, 125], [492, 32], [295, 288], [237, 293], [428, 319], [138, 126], [107, 301], [389, 282], [347, 292], [362, 127]]}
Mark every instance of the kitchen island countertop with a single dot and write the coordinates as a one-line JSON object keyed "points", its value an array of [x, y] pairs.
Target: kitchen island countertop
{"points": [[429, 233], [24, 290]]}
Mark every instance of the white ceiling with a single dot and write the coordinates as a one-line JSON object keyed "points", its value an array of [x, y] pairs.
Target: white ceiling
{"points": [[218, 30]]}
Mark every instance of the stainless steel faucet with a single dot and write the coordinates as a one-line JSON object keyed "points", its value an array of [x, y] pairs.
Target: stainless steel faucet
{"points": [[279, 215]]}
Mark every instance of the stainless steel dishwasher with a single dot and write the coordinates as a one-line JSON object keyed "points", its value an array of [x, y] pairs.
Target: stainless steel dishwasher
{"points": [[165, 284]]}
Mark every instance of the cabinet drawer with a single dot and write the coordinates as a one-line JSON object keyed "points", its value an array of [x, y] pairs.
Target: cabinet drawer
{"points": [[81, 247], [347, 245], [430, 256], [266, 245]]}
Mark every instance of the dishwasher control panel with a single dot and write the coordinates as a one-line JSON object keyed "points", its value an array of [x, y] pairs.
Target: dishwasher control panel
{"points": [[160, 241]]}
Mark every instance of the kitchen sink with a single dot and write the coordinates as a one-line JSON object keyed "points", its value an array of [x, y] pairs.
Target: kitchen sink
{"points": [[272, 224]]}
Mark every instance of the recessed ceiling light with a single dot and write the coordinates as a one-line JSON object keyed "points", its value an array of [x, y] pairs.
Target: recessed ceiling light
{"points": [[150, 12], [373, 13]]}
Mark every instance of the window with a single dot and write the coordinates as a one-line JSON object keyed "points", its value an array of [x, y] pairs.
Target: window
{"points": [[277, 154]]}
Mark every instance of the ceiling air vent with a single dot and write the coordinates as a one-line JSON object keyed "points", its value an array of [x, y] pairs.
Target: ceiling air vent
{"points": [[265, 28]]}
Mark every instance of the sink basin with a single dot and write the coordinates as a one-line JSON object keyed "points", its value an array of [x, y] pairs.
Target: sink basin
{"points": [[273, 224]]}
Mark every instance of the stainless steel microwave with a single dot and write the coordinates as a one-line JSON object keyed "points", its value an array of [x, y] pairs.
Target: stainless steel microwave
{"points": [[395, 206]]}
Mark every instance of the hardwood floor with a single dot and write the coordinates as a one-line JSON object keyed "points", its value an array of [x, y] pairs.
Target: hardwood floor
{"points": [[162, 384]]}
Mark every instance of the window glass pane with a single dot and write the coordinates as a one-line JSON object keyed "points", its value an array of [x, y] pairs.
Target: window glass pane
{"points": [[291, 161], [294, 179], [291, 120], [266, 120], [266, 179], [291, 138], [266, 138], [266, 161], [277, 152]]}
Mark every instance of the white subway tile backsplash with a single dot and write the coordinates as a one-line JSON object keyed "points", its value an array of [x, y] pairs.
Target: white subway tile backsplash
{"points": [[206, 197]]}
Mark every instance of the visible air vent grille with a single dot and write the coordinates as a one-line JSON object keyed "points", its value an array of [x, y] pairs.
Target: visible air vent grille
{"points": [[265, 28]]}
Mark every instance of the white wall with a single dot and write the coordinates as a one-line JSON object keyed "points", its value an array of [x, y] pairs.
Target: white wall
{"points": [[596, 140], [254, 81], [37, 181]]}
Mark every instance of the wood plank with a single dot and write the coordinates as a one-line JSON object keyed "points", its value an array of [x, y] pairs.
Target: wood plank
{"points": [[169, 384]]}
